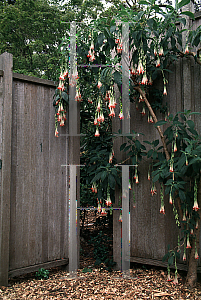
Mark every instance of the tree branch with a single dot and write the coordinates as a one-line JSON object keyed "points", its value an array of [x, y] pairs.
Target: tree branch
{"points": [[155, 120]]}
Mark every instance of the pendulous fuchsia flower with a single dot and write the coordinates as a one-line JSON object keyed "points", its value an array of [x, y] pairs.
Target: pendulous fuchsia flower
{"points": [[108, 201], [121, 116], [99, 84], [171, 167], [140, 68], [155, 51], [144, 79], [175, 147], [196, 254], [195, 206], [162, 209], [120, 217], [158, 63], [94, 188], [143, 112], [99, 208], [165, 90], [112, 113], [97, 134], [184, 256], [160, 51], [188, 245], [175, 279], [186, 49], [56, 132], [103, 212], [170, 199]]}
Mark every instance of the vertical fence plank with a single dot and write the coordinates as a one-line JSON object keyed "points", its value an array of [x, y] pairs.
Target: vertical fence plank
{"points": [[6, 63]]}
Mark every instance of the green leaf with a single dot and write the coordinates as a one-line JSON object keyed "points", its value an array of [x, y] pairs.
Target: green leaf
{"points": [[103, 175], [165, 257], [189, 14], [123, 146], [155, 143], [159, 123], [64, 96], [144, 2], [137, 144], [182, 195], [112, 28], [117, 78], [191, 124], [154, 155], [171, 260], [156, 178], [111, 181], [183, 2]]}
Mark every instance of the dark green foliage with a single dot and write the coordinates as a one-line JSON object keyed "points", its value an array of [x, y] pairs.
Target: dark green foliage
{"points": [[42, 274]]}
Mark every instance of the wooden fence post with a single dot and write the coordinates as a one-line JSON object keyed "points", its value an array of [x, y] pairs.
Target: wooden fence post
{"points": [[6, 64]]}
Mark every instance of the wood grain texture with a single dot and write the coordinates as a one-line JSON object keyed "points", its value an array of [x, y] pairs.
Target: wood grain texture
{"points": [[6, 64], [39, 190]]}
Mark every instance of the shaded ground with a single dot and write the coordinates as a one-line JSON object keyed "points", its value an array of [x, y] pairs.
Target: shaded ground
{"points": [[95, 282]]}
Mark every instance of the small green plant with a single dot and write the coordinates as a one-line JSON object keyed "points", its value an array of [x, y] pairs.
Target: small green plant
{"points": [[42, 274]]}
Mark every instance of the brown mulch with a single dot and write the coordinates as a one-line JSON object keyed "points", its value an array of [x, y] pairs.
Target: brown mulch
{"points": [[100, 284], [94, 282]]}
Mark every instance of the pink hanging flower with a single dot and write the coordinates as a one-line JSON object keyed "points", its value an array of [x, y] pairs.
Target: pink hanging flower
{"points": [[171, 167], [97, 134], [112, 113], [162, 209], [144, 79], [99, 84], [165, 90], [99, 208], [169, 278], [184, 256], [56, 132], [175, 279], [108, 201], [160, 51], [186, 49], [99, 106], [195, 206], [196, 254], [120, 217], [103, 212], [188, 245], [143, 112], [140, 68], [158, 63], [121, 116], [175, 147], [62, 122], [137, 179], [155, 52], [170, 199], [95, 121]]}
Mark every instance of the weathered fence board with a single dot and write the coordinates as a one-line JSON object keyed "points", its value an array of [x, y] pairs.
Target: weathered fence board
{"points": [[152, 232], [34, 186]]}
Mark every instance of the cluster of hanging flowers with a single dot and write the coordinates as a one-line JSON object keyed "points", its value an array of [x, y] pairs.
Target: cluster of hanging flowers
{"points": [[118, 41], [61, 106], [91, 53]]}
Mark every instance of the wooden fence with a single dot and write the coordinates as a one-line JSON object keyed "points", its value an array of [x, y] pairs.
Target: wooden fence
{"points": [[34, 186], [152, 232]]}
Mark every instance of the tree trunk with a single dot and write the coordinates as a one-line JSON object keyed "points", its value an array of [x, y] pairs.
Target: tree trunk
{"points": [[191, 278]]}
